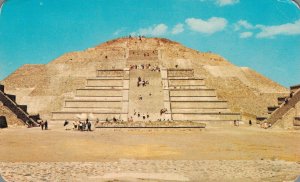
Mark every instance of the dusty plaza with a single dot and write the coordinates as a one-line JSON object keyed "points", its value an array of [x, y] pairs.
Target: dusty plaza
{"points": [[158, 91]]}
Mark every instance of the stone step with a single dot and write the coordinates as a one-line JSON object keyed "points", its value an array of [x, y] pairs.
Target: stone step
{"points": [[295, 88], [1, 88], [105, 87], [105, 82], [92, 104], [185, 78], [202, 110], [272, 109], [261, 118], [180, 72], [206, 116], [187, 87], [11, 97], [99, 92], [186, 82], [198, 104], [110, 73], [297, 121], [71, 116], [107, 78], [196, 92], [98, 110], [100, 98], [23, 107], [204, 98]]}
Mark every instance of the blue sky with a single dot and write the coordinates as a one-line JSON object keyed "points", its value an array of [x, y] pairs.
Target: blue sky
{"points": [[261, 34]]}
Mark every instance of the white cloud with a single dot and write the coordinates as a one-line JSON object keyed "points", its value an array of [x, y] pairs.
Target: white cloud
{"points": [[245, 35], [155, 30], [212, 25], [243, 24], [119, 31], [284, 29], [178, 28], [226, 2]]}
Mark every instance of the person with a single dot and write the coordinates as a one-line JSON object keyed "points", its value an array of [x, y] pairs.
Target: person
{"points": [[291, 94], [89, 124], [147, 115], [138, 114], [80, 126], [250, 122], [83, 126], [234, 122], [286, 100], [65, 124], [74, 125], [42, 125], [46, 125]]}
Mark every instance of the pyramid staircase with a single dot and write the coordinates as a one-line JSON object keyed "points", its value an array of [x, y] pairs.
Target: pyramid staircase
{"points": [[285, 104], [104, 97], [9, 101], [188, 99]]}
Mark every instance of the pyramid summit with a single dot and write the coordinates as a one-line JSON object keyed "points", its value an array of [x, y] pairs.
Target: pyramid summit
{"points": [[143, 79]]}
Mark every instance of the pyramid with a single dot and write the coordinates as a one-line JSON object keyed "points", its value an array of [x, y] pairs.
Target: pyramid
{"points": [[176, 84]]}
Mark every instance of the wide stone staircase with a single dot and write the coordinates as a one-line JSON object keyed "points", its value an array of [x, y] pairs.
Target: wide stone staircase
{"points": [[152, 96], [104, 97], [9, 101], [285, 104], [188, 99]]}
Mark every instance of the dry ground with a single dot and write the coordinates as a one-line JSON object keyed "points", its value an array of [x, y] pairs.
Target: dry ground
{"points": [[235, 154]]}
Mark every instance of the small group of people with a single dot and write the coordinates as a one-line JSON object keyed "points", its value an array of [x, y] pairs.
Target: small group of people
{"points": [[142, 82], [114, 119], [79, 125], [265, 125], [138, 114], [44, 124], [140, 37], [236, 122], [144, 66], [164, 110]]}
